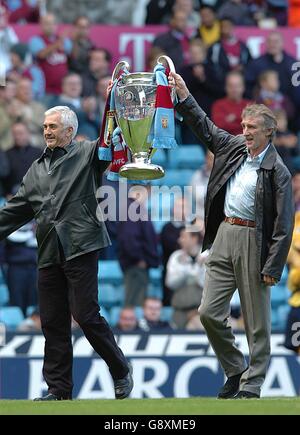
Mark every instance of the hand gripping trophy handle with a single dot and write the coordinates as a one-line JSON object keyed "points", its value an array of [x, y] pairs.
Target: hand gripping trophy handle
{"points": [[122, 65]]}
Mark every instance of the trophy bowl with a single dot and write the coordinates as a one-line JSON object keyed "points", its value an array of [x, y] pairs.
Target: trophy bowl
{"points": [[135, 96]]}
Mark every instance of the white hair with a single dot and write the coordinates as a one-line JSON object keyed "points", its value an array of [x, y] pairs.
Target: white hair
{"points": [[68, 117]]}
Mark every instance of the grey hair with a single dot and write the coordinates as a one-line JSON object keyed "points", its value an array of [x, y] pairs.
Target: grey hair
{"points": [[68, 117], [266, 114]]}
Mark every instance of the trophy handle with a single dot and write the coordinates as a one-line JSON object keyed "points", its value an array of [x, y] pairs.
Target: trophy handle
{"points": [[120, 65], [167, 61]]}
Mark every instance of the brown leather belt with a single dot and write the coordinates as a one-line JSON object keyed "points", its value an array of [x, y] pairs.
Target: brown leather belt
{"points": [[239, 221]]}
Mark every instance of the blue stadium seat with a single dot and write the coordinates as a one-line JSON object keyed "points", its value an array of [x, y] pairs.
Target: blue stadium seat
{"points": [[155, 291], [105, 313], [155, 275], [279, 292], [114, 315], [187, 157], [279, 317], [296, 161], [283, 312], [11, 317], [110, 272], [166, 314], [279, 295], [31, 309], [160, 158], [110, 295], [4, 295]]}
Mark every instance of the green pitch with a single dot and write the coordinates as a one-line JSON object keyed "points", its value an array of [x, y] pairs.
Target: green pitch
{"points": [[191, 406]]}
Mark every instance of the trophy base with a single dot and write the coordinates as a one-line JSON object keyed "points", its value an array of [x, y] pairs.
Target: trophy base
{"points": [[141, 171]]}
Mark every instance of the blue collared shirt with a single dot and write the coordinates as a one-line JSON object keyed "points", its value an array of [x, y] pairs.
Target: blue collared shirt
{"points": [[240, 193]]}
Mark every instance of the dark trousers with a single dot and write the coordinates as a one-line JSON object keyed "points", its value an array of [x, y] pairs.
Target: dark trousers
{"points": [[72, 288], [22, 285]]}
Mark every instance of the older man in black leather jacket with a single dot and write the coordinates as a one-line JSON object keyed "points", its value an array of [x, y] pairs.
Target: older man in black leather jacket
{"points": [[58, 191], [249, 216]]}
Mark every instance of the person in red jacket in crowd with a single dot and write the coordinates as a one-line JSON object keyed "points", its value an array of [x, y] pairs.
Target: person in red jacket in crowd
{"points": [[24, 11], [226, 112], [51, 51]]}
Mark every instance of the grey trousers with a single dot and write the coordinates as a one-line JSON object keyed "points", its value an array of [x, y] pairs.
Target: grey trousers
{"points": [[136, 282], [233, 264]]}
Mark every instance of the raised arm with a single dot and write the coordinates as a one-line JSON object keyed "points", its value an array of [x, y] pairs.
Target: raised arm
{"points": [[208, 133]]}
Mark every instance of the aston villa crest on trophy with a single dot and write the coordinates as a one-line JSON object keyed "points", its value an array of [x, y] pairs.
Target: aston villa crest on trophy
{"points": [[141, 114]]}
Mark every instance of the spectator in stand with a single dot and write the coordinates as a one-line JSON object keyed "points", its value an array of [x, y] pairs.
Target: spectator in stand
{"points": [[71, 93], [269, 94], [278, 9], [169, 237], [4, 172], [151, 59], [151, 321], [157, 11], [102, 86], [81, 45], [187, 7], [175, 42], [8, 38], [21, 259], [185, 275], [202, 87], [296, 190], [24, 11], [127, 321], [7, 94], [137, 246], [209, 30], [294, 13], [99, 66], [50, 50], [199, 183], [89, 119], [227, 54], [24, 108], [22, 67], [278, 60], [20, 156], [238, 11], [286, 142], [226, 112], [32, 323]]}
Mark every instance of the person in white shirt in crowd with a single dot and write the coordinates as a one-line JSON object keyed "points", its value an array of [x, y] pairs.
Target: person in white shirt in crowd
{"points": [[185, 274], [8, 38]]}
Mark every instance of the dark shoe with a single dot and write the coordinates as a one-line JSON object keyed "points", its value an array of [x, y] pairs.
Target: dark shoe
{"points": [[124, 386], [246, 395], [51, 397], [231, 387]]}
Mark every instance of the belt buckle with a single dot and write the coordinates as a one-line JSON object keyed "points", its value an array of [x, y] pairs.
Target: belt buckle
{"points": [[231, 220]]}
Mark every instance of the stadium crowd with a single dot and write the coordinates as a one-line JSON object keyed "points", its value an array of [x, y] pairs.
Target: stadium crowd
{"points": [[55, 68]]}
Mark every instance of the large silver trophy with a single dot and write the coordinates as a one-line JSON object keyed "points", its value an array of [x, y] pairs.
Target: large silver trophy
{"points": [[135, 97]]}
